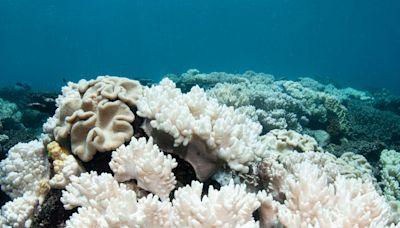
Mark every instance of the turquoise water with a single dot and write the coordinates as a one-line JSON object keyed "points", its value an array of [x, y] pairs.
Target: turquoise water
{"points": [[355, 43]]}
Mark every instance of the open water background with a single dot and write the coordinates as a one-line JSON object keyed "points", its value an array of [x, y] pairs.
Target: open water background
{"points": [[354, 43]]}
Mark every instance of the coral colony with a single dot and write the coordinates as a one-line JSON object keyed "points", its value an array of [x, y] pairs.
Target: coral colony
{"points": [[120, 154]]}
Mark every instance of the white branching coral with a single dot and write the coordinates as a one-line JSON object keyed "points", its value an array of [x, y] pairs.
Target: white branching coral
{"points": [[144, 162], [24, 176], [103, 202], [314, 202], [114, 205], [17, 213], [24, 169], [231, 206], [229, 135]]}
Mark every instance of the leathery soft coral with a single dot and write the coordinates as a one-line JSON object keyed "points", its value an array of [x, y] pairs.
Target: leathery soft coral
{"points": [[95, 116]]}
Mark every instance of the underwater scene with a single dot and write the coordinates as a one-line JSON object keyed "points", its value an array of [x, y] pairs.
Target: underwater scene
{"points": [[239, 113]]}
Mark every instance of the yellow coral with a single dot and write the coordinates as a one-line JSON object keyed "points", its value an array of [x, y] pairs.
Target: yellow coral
{"points": [[59, 154], [56, 152], [44, 187], [58, 165]]}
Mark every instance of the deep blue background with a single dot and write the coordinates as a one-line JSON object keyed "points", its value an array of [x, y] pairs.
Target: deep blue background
{"points": [[354, 42]]}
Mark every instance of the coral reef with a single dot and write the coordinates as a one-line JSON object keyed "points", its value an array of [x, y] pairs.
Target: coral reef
{"points": [[281, 104], [118, 153], [371, 131]]}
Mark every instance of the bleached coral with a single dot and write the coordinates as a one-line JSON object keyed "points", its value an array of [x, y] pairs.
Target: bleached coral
{"points": [[356, 94], [18, 212], [64, 165], [284, 104], [341, 94], [194, 77], [144, 162], [24, 176], [231, 206], [313, 201], [390, 166], [274, 119], [349, 165], [95, 116], [274, 108], [69, 168], [116, 206], [228, 134], [103, 202], [9, 110], [294, 183], [356, 166], [318, 104], [268, 211], [23, 170], [289, 140]]}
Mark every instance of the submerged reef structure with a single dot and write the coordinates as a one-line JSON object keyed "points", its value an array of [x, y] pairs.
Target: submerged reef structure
{"points": [[280, 104], [117, 153]]}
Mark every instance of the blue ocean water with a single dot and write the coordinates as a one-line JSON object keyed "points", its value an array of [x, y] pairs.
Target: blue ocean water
{"points": [[355, 43]]}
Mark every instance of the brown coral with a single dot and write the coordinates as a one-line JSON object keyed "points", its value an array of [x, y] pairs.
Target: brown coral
{"points": [[96, 115]]}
